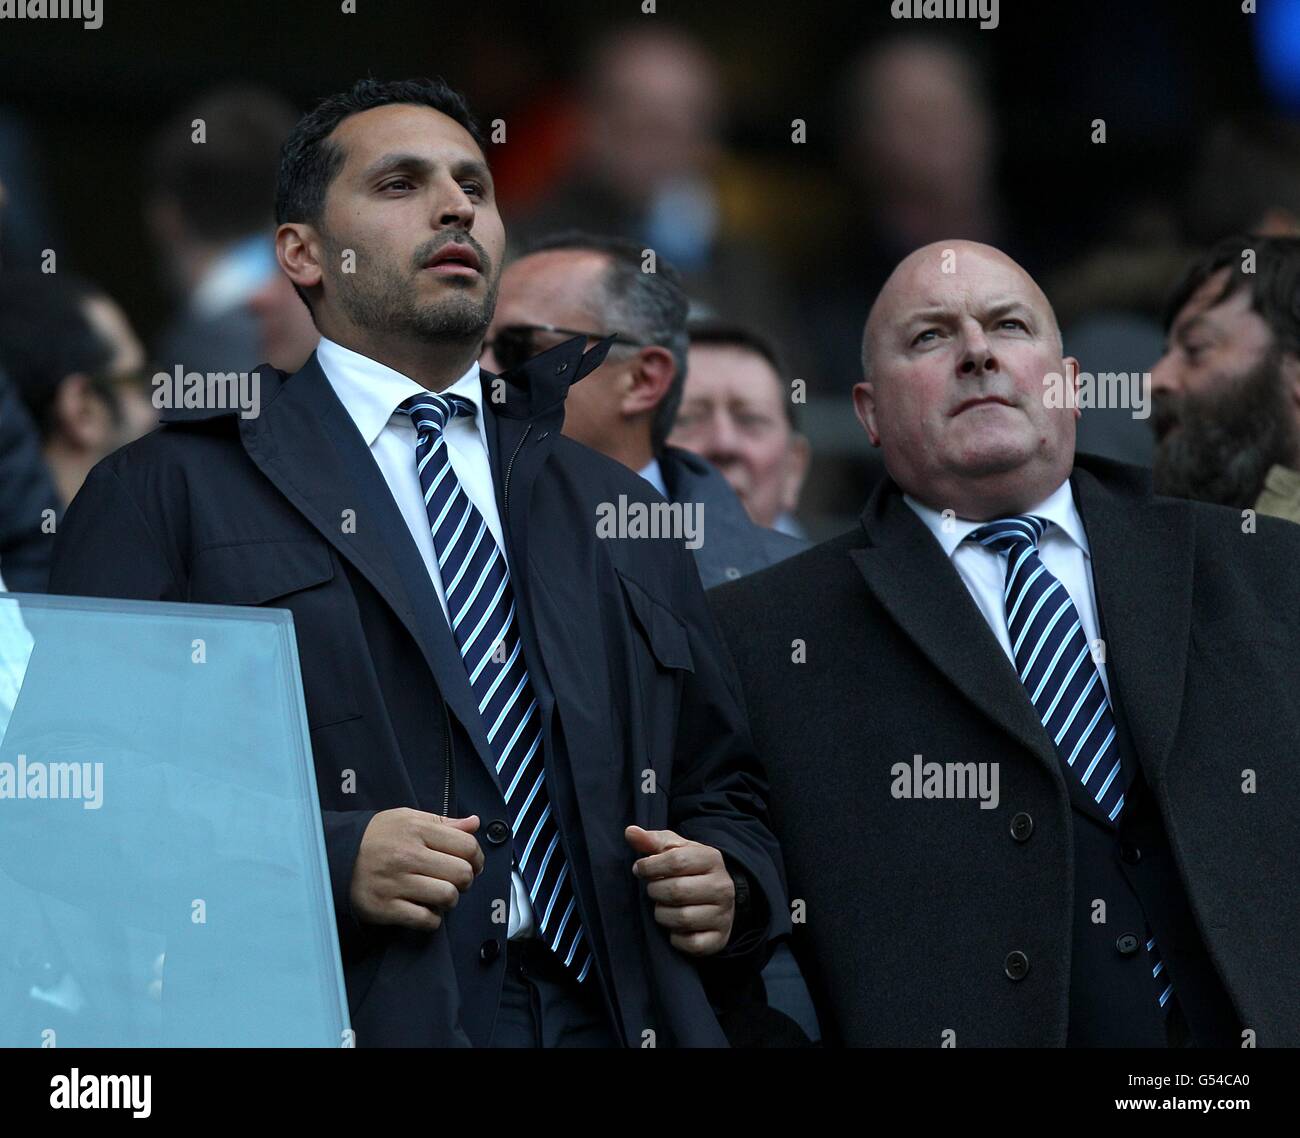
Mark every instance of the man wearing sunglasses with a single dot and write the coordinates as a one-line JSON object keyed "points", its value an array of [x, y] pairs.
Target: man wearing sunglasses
{"points": [[541, 807], [580, 284]]}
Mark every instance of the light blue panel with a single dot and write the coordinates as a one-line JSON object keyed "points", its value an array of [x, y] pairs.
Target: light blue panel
{"points": [[162, 871]]}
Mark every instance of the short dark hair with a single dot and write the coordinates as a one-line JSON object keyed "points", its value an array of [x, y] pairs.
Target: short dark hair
{"points": [[309, 162], [648, 306], [720, 334], [46, 336], [1274, 285], [223, 187]]}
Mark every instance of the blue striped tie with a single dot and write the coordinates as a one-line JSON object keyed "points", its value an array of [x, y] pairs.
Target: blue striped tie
{"points": [[481, 608], [1055, 663]]}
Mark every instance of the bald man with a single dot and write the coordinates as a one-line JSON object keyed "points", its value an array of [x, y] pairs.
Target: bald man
{"points": [[1030, 730]]}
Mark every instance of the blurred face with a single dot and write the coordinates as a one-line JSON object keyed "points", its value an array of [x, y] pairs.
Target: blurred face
{"points": [[1225, 400], [138, 415], [610, 409], [414, 205], [955, 398], [285, 329], [733, 413]]}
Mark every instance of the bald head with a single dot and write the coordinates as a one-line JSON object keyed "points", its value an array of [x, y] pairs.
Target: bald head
{"points": [[946, 259], [959, 352]]}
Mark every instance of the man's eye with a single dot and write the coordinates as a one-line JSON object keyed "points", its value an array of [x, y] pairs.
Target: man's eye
{"points": [[474, 189], [920, 336], [1015, 322], [396, 184]]}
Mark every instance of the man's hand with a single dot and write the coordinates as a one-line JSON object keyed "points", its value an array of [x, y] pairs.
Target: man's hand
{"points": [[414, 866], [694, 896]]}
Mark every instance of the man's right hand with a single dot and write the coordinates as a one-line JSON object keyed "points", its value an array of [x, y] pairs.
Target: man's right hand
{"points": [[414, 866]]}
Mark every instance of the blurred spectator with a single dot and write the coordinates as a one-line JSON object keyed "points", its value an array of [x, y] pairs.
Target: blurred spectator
{"points": [[286, 335], [1227, 391], [66, 369], [208, 210], [918, 156], [28, 228], [1247, 180], [737, 412], [578, 284], [649, 153]]}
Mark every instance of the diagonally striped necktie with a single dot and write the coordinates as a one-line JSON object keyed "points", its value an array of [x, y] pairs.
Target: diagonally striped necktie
{"points": [[481, 609], [1055, 663]]}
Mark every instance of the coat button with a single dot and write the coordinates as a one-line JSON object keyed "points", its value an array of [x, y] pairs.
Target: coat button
{"points": [[1130, 853], [497, 832], [1022, 825], [1127, 944], [561, 369], [489, 950], [732, 573], [1017, 965]]}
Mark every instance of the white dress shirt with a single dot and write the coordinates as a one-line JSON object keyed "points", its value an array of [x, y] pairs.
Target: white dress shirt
{"points": [[371, 392], [1063, 551]]}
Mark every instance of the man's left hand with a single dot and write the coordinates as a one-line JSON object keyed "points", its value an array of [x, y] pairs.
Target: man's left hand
{"points": [[694, 895]]}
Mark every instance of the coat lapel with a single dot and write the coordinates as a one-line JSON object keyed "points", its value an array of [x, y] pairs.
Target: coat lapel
{"points": [[1142, 573], [307, 445], [906, 570]]}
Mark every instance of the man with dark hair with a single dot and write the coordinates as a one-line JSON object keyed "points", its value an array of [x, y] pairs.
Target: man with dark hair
{"points": [[540, 803], [575, 282], [737, 413], [212, 170], [1226, 393], [65, 364]]}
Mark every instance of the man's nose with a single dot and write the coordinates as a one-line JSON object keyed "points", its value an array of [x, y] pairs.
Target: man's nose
{"points": [[977, 354], [1164, 375], [454, 207]]}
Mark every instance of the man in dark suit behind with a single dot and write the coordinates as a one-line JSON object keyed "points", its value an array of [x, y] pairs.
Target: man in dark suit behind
{"points": [[1030, 730], [540, 802]]}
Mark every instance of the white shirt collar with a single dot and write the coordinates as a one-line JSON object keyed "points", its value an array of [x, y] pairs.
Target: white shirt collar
{"points": [[652, 473], [371, 391], [1057, 507]]}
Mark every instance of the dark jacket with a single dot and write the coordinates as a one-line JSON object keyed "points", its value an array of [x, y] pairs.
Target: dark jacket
{"points": [[913, 908], [732, 546], [641, 715], [26, 492]]}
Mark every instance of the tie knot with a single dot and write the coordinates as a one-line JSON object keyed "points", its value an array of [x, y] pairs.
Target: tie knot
{"points": [[431, 412], [1007, 534]]}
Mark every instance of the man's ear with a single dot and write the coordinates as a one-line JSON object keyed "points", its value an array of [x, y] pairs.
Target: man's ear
{"points": [[1071, 373], [299, 251], [864, 403], [649, 376]]}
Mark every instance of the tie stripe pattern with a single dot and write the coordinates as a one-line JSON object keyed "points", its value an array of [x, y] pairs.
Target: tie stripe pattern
{"points": [[1056, 666], [481, 609]]}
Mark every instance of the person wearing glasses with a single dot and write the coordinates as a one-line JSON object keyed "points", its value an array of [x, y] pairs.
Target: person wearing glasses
{"points": [[540, 804], [580, 284]]}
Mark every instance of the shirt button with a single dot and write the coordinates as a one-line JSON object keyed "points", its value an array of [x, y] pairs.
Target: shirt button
{"points": [[1130, 853], [1017, 965], [1127, 944], [497, 832], [731, 573], [1022, 825], [489, 950]]}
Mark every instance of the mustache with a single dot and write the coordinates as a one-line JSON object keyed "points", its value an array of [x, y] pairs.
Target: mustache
{"points": [[429, 248]]}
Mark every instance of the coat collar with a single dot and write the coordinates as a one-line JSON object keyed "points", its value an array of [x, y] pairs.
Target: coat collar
{"points": [[1146, 612]]}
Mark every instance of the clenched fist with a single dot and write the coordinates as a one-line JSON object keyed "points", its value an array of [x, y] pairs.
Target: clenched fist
{"points": [[412, 867], [694, 895]]}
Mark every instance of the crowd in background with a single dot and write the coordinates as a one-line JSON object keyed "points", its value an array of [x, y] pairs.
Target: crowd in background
{"points": [[779, 258]]}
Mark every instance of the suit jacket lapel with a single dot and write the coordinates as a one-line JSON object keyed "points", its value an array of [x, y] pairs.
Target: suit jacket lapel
{"points": [[906, 570], [1142, 575], [307, 445]]}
